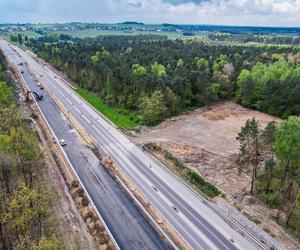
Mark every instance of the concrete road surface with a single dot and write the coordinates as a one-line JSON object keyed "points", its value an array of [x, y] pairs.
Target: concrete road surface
{"points": [[185, 210]]}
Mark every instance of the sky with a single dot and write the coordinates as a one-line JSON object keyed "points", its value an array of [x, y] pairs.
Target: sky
{"points": [[219, 12]]}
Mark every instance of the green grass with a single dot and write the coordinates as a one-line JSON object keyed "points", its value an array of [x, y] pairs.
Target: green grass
{"points": [[122, 119], [94, 33], [194, 178], [206, 187], [30, 34]]}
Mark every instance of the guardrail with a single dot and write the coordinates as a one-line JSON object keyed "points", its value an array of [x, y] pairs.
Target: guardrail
{"points": [[161, 165]]}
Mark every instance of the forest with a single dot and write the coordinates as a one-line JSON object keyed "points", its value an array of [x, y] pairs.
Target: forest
{"points": [[273, 155], [154, 77], [27, 220], [246, 38]]}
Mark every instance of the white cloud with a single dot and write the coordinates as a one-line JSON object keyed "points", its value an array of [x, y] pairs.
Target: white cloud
{"points": [[230, 12], [234, 12], [254, 7]]}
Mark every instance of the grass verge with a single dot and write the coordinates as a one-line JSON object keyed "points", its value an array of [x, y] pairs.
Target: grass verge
{"points": [[121, 118]]}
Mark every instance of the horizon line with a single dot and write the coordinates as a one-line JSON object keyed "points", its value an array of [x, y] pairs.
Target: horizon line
{"points": [[139, 23]]}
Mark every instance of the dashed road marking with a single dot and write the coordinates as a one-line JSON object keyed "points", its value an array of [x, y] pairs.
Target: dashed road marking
{"points": [[77, 109], [85, 118], [61, 93], [68, 100]]}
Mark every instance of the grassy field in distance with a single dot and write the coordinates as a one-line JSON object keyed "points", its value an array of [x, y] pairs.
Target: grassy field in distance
{"points": [[95, 32]]}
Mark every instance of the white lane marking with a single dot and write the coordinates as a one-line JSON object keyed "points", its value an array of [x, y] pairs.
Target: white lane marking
{"points": [[191, 224], [77, 109], [139, 179], [60, 93], [68, 100], [85, 118], [75, 97]]}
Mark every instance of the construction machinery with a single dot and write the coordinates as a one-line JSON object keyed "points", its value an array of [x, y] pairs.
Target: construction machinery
{"points": [[37, 96]]}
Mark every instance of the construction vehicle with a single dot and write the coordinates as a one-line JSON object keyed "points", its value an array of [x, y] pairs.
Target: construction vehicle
{"points": [[37, 96]]}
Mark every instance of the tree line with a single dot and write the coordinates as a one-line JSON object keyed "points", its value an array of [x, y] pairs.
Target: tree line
{"points": [[157, 77], [273, 88], [246, 38], [273, 155], [26, 216]]}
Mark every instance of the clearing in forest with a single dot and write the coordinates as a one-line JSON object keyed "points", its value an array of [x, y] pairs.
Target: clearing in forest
{"points": [[205, 140], [213, 129]]}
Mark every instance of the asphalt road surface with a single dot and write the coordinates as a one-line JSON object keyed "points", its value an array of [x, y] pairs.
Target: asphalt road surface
{"points": [[126, 224], [186, 211]]}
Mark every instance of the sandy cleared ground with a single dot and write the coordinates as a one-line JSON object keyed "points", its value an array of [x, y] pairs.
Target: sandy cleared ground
{"points": [[213, 129], [205, 140]]}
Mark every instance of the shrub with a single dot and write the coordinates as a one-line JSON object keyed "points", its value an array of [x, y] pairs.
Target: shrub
{"points": [[271, 199], [209, 189]]}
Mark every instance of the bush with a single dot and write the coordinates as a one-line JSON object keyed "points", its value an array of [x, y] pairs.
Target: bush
{"points": [[177, 163], [209, 189], [195, 178], [271, 199]]}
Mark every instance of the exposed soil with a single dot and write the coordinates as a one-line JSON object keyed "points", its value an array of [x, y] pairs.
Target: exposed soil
{"points": [[265, 215], [213, 129], [205, 140]]}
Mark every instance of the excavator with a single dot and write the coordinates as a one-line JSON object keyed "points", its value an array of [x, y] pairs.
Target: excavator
{"points": [[37, 96]]}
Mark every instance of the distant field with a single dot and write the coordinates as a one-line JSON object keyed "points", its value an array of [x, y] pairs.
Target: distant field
{"points": [[207, 41], [94, 33], [30, 34], [200, 36], [120, 119]]}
